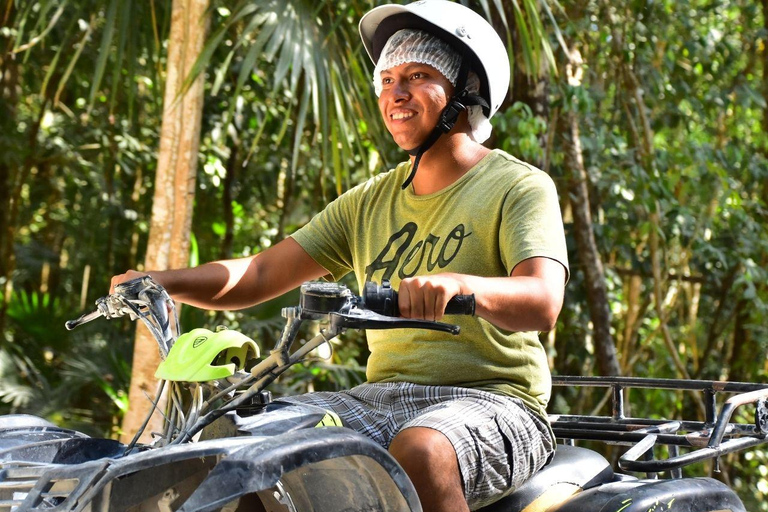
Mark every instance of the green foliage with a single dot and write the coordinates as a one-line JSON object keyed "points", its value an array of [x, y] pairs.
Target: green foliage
{"points": [[81, 105], [524, 131], [671, 108], [77, 381], [753, 484]]}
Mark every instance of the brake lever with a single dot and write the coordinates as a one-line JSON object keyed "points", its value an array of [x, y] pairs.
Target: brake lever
{"points": [[110, 306], [129, 299], [361, 319]]}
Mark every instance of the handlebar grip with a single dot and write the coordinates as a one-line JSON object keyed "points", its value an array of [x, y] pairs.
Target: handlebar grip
{"points": [[461, 305], [383, 300]]}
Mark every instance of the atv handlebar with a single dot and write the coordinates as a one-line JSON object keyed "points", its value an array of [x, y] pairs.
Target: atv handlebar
{"points": [[375, 309], [140, 298], [331, 302], [143, 298], [82, 319]]}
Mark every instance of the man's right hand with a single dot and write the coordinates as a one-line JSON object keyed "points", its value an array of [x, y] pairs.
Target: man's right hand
{"points": [[129, 275]]}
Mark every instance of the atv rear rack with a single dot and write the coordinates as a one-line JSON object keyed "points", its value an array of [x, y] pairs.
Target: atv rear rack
{"points": [[717, 435]]}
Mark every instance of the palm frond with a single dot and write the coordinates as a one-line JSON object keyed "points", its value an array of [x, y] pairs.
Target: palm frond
{"points": [[530, 29], [14, 390], [299, 47], [41, 17], [38, 315], [69, 26]]}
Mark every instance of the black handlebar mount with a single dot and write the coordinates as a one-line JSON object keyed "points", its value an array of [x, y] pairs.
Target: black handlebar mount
{"points": [[376, 309]]}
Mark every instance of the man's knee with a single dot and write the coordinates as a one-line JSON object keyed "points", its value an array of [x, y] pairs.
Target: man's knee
{"points": [[429, 459], [423, 447]]}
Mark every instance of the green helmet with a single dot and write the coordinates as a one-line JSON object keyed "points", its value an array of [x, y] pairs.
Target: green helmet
{"points": [[202, 355]]}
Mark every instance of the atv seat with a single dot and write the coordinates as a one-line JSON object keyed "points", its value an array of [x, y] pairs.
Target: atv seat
{"points": [[571, 470]]}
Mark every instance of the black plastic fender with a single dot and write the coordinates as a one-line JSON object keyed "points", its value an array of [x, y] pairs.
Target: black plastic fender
{"points": [[65, 450], [18, 430], [30, 439], [209, 474], [259, 466], [275, 419], [138, 476], [675, 495]]}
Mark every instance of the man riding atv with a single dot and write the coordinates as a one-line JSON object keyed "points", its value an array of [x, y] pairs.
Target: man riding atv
{"points": [[465, 415]]}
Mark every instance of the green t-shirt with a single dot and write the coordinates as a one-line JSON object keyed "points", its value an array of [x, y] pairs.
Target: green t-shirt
{"points": [[501, 212]]}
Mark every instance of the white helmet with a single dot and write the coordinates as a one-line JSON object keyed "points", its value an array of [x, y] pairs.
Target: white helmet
{"points": [[459, 26]]}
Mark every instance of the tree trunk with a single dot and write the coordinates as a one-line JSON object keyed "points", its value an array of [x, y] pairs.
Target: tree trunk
{"points": [[589, 257], [742, 364], [765, 76], [168, 245], [764, 261], [9, 78], [20, 176], [284, 201]]}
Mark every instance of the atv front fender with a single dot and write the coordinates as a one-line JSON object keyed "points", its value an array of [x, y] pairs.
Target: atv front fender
{"points": [[328, 468]]}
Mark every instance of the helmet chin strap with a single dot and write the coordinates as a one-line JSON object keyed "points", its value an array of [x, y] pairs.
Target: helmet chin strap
{"points": [[448, 117]]}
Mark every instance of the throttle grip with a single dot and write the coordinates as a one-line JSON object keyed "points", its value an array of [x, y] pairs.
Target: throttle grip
{"points": [[382, 299], [461, 305]]}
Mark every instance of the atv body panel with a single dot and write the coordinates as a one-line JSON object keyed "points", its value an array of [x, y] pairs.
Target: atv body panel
{"points": [[327, 468], [314, 468], [271, 420]]}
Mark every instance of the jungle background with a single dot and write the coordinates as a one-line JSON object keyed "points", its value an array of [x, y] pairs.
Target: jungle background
{"points": [[651, 116]]}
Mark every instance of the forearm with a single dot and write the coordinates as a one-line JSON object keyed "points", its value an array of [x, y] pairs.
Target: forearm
{"points": [[238, 283], [528, 300], [230, 284], [517, 303]]}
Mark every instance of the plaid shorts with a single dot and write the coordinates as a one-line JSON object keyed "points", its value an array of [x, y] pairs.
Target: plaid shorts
{"points": [[499, 443]]}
